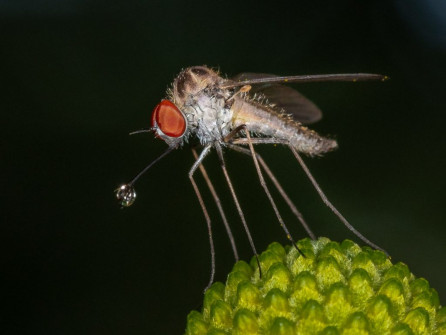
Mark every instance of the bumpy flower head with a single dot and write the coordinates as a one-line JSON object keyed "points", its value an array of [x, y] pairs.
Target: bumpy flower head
{"points": [[335, 289]]}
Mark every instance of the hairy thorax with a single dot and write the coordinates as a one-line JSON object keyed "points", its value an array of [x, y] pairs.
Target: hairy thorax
{"points": [[208, 117], [197, 94]]}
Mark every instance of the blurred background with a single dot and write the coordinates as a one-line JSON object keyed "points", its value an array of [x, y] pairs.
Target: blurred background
{"points": [[77, 76]]}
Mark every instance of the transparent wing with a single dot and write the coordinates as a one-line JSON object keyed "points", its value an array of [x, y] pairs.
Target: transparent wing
{"points": [[294, 103], [262, 78]]}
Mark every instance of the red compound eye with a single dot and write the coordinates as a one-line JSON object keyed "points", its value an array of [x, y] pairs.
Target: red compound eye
{"points": [[168, 118]]}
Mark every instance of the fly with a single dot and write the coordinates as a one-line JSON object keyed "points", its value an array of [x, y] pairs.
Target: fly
{"points": [[238, 113]]}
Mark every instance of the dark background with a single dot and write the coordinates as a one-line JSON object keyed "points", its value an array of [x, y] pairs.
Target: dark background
{"points": [[78, 76]]}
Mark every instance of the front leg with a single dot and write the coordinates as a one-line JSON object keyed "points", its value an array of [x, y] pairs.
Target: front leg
{"points": [[219, 206], [197, 163]]}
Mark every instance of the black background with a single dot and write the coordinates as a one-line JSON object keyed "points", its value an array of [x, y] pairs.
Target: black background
{"points": [[78, 76]]}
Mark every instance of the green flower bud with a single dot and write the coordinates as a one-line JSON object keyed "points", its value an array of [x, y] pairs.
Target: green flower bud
{"points": [[336, 289]]}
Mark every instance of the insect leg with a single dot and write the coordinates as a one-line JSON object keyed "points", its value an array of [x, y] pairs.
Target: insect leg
{"points": [[324, 198], [219, 206], [233, 133], [279, 188], [237, 204], [268, 194], [330, 205], [205, 212]]}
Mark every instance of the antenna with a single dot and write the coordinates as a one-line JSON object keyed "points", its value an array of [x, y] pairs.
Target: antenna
{"points": [[126, 194]]}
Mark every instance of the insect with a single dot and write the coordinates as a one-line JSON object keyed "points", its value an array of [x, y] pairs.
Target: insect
{"points": [[238, 113]]}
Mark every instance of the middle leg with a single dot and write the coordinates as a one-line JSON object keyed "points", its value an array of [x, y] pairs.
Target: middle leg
{"points": [[237, 204], [263, 183], [249, 141], [279, 188]]}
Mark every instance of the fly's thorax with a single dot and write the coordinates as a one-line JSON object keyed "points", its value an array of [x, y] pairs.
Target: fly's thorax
{"points": [[208, 116], [265, 121], [191, 81]]}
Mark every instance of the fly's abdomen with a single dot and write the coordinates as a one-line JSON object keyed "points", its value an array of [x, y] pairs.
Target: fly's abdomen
{"points": [[267, 122]]}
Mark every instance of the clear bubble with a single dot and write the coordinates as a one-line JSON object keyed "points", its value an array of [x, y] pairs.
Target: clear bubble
{"points": [[126, 195]]}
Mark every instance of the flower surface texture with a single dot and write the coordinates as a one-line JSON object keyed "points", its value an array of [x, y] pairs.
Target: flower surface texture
{"points": [[337, 288]]}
